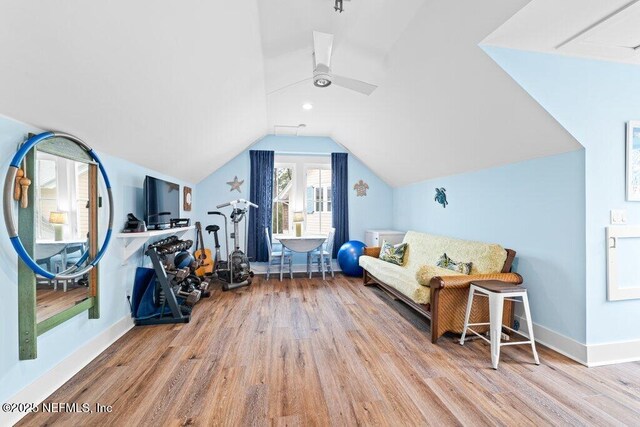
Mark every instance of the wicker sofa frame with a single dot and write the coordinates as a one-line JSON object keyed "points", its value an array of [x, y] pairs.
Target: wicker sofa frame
{"points": [[449, 295]]}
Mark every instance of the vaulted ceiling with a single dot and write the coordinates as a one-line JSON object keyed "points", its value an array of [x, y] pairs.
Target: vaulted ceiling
{"points": [[153, 82], [202, 80], [605, 30]]}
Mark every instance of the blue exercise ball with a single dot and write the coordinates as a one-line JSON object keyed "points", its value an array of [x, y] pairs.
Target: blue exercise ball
{"points": [[183, 259], [348, 257]]}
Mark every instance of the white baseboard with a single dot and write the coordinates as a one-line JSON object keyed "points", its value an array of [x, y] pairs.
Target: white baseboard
{"points": [[590, 355], [613, 352], [557, 342], [45, 385]]}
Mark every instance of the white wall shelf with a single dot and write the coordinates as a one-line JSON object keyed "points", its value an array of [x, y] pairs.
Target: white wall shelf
{"points": [[134, 241]]}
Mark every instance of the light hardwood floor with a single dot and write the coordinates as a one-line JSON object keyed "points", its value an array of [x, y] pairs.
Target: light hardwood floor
{"points": [[50, 301], [313, 352]]}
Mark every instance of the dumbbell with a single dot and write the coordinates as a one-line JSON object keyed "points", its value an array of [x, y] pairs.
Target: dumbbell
{"points": [[164, 249], [165, 241], [182, 274], [193, 298]]}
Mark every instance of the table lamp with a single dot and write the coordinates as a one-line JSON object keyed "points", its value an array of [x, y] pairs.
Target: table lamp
{"points": [[58, 219], [298, 219]]}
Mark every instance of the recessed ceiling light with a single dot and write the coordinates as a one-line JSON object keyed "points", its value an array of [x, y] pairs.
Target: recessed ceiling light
{"points": [[307, 106]]}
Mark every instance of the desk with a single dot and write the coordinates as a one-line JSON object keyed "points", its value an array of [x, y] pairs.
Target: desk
{"points": [[49, 248], [303, 244]]}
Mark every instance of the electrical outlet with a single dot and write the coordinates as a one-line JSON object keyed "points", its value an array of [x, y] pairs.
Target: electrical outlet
{"points": [[618, 216]]}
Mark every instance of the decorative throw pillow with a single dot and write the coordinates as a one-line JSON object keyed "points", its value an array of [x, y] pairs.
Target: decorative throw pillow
{"points": [[393, 254], [460, 267]]}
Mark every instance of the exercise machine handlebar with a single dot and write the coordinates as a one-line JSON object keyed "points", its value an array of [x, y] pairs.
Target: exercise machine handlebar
{"points": [[236, 202]]}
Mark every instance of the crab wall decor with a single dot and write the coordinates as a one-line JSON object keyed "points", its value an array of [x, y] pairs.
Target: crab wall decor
{"points": [[361, 188], [441, 196]]}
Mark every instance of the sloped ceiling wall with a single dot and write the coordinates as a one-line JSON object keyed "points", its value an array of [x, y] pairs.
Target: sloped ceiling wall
{"points": [[444, 106], [606, 30], [146, 81], [152, 81]]}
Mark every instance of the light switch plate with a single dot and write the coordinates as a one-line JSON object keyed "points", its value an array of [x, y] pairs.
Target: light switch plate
{"points": [[618, 216]]}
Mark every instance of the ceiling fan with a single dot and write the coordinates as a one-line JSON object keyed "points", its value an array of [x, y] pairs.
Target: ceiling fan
{"points": [[322, 75]]}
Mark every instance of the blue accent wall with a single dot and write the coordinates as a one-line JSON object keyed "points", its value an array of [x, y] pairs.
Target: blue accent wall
{"points": [[372, 211], [534, 207], [593, 100], [116, 280]]}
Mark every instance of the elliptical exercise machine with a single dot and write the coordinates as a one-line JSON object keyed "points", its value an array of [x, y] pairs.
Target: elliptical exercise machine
{"points": [[235, 272]]}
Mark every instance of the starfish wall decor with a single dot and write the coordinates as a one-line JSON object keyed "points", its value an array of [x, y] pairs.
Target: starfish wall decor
{"points": [[235, 184]]}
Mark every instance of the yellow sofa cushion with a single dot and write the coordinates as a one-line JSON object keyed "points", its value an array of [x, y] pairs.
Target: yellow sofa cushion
{"points": [[398, 277], [428, 272], [423, 252], [426, 249]]}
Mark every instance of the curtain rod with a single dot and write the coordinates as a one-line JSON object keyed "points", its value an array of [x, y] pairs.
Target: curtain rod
{"points": [[293, 153]]}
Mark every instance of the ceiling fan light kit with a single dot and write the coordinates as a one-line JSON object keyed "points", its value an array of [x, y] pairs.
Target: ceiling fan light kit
{"points": [[321, 76]]}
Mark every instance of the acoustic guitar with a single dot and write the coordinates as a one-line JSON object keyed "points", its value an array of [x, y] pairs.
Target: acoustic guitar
{"points": [[202, 255]]}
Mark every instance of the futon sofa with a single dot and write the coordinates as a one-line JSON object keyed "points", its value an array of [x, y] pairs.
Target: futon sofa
{"points": [[437, 293]]}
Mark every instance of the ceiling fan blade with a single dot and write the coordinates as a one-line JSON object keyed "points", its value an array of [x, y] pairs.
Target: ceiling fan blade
{"points": [[322, 47], [353, 84], [290, 85]]}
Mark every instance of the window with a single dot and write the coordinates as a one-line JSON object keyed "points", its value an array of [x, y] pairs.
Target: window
{"points": [[82, 199], [63, 185], [319, 198], [318, 184], [302, 183], [282, 196], [47, 197]]}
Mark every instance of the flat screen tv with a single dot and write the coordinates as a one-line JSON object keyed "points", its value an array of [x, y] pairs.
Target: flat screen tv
{"points": [[162, 202]]}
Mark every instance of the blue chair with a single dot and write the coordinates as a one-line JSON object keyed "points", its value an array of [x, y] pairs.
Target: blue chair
{"points": [[56, 263], [74, 253], [323, 254], [276, 256], [52, 264]]}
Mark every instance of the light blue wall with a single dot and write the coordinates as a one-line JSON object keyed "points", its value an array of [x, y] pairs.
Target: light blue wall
{"points": [[372, 211], [534, 207], [593, 100], [115, 279]]}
